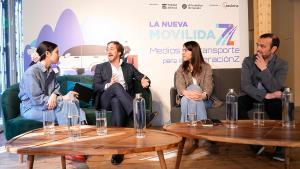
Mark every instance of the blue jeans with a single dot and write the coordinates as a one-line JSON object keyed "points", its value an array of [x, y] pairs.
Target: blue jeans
{"points": [[61, 112], [198, 106]]}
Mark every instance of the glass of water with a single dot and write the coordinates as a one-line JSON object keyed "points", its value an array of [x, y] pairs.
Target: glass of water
{"points": [[48, 122], [74, 125], [258, 114], [192, 118], [101, 122], [192, 113]]}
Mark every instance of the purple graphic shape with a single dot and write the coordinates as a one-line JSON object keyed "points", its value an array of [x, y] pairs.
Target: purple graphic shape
{"points": [[67, 34]]}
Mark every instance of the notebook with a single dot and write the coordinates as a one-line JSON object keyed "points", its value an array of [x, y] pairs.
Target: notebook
{"points": [[85, 93]]}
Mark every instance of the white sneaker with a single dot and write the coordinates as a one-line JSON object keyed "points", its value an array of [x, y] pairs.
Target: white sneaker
{"points": [[260, 150], [279, 157]]}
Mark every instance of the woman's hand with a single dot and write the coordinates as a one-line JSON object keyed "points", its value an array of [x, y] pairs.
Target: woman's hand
{"points": [[194, 95], [52, 102], [67, 96]]}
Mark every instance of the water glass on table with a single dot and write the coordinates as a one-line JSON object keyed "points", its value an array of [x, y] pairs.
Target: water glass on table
{"points": [[74, 125], [192, 118], [101, 122], [258, 114], [48, 122]]}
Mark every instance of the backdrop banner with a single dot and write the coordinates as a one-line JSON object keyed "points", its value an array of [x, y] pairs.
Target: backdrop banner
{"points": [[152, 31]]}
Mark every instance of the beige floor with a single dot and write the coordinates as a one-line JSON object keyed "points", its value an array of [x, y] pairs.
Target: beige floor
{"points": [[231, 156]]}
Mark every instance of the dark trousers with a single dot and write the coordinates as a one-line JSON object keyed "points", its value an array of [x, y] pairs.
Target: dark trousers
{"points": [[273, 107], [116, 99]]}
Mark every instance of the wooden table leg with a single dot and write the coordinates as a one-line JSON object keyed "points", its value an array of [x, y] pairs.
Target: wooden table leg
{"points": [[21, 158], [179, 152], [63, 162], [162, 159], [287, 158], [30, 160]]}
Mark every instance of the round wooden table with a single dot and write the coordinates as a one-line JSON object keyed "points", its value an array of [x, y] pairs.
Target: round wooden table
{"points": [[271, 134], [117, 141]]}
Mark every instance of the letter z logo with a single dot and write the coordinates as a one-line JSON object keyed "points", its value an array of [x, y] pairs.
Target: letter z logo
{"points": [[227, 34]]}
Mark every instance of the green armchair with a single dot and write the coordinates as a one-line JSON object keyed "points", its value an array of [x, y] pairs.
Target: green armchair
{"points": [[14, 124]]}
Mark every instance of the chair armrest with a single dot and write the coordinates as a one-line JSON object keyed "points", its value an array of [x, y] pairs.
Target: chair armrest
{"points": [[20, 125], [173, 93]]}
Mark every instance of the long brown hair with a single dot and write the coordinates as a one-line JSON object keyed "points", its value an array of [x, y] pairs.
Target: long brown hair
{"points": [[197, 58]]}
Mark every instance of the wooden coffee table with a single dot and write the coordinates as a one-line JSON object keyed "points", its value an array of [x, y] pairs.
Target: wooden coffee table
{"points": [[117, 141], [271, 134]]}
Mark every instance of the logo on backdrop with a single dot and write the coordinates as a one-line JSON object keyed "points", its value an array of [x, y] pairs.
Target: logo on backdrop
{"points": [[226, 5], [166, 30], [169, 6], [223, 48], [226, 37], [191, 6]]}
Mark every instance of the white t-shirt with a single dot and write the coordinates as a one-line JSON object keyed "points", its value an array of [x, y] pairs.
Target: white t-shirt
{"points": [[194, 81]]}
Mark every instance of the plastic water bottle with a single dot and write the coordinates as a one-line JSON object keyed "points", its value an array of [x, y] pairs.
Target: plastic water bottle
{"points": [[288, 115], [73, 118], [139, 114], [231, 109]]}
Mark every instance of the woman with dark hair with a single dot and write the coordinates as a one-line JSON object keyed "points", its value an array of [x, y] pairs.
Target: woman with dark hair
{"points": [[194, 85], [39, 90]]}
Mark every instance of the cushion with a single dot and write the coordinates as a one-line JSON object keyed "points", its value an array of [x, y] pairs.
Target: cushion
{"points": [[70, 86], [62, 80]]}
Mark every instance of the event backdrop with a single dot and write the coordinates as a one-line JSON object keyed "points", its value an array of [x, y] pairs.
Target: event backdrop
{"points": [[153, 32]]}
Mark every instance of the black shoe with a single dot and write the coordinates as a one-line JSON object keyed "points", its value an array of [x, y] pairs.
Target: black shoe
{"points": [[117, 159], [213, 147], [150, 118]]}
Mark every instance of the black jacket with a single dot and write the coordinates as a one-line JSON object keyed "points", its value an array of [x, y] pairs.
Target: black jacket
{"points": [[103, 74]]}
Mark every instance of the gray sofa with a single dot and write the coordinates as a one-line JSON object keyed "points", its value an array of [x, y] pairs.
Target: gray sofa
{"points": [[223, 80]]}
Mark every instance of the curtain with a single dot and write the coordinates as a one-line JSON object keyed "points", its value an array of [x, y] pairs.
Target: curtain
{"points": [[11, 44], [2, 46]]}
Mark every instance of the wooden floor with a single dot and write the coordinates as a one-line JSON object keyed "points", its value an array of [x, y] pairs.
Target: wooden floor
{"points": [[231, 156]]}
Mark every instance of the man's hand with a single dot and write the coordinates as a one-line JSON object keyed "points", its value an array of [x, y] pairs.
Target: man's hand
{"points": [[260, 62], [194, 95], [274, 95], [145, 82], [52, 102], [114, 79]]}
